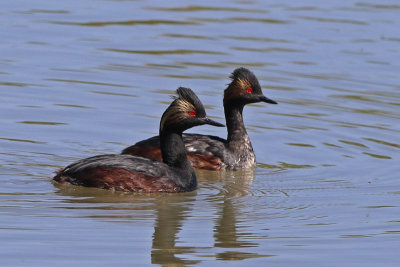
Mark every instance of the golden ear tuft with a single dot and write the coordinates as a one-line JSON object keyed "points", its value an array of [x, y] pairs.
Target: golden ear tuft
{"points": [[243, 83]]}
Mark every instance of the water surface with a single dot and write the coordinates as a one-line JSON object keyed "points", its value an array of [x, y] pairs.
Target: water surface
{"points": [[80, 78]]}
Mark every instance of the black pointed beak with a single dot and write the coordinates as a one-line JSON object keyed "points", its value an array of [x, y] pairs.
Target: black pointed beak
{"points": [[267, 100], [212, 122]]}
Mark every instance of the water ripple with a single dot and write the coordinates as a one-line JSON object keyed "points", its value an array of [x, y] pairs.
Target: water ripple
{"points": [[123, 23], [165, 52], [193, 8], [333, 20]]}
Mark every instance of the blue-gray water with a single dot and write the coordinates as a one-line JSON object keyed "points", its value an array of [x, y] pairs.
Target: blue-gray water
{"points": [[80, 78]]}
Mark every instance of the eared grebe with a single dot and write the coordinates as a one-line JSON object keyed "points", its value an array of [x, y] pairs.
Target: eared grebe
{"points": [[132, 173], [211, 152]]}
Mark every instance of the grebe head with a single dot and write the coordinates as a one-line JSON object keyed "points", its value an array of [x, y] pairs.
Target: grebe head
{"points": [[186, 111], [244, 89]]}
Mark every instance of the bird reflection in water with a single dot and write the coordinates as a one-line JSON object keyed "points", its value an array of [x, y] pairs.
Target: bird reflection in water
{"points": [[235, 185], [221, 190], [171, 212]]}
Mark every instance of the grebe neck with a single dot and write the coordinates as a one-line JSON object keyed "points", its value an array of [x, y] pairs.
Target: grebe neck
{"points": [[174, 152], [237, 134]]}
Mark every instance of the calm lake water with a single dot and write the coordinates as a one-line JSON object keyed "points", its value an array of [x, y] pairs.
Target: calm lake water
{"points": [[81, 78]]}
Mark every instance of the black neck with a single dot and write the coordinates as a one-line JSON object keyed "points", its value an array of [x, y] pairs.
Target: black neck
{"points": [[174, 152], [234, 123]]}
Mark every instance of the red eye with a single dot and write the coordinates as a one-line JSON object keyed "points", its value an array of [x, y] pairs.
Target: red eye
{"points": [[192, 113], [249, 90]]}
